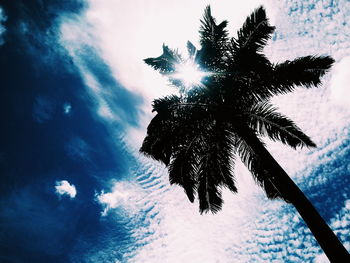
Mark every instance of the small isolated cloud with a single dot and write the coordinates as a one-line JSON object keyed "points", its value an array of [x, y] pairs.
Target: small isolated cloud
{"points": [[340, 83], [3, 18], [123, 195], [67, 107], [65, 188]]}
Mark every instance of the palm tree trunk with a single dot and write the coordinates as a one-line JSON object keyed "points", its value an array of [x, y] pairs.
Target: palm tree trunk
{"points": [[328, 241]]}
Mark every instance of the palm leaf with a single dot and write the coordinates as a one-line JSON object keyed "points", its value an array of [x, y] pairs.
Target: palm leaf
{"points": [[304, 71], [162, 127], [215, 168], [254, 33], [186, 147], [166, 63], [245, 63], [166, 104], [209, 192], [183, 169], [213, 40], [155, 144], [265, 120], [210, 32], [254, 164], [264, 80], [191, 49]]}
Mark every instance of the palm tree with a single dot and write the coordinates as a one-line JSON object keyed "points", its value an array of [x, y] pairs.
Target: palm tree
{"points": [[223, 109]]}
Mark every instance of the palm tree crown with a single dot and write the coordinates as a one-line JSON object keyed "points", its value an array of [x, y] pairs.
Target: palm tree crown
{"points": [[223, 111], [198, 133]]}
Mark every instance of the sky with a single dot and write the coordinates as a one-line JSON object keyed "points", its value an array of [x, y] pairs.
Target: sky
{"points": [[75, 101]]}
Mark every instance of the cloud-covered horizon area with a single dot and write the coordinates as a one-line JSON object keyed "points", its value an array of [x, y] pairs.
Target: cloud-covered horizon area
{"points": [[75, 103]]}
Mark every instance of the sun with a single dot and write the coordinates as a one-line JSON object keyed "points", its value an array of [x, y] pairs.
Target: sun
{"points": [[189, 73]]}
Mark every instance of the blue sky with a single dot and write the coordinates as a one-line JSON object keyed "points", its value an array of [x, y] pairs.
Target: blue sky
{"points": [[75, 103]]}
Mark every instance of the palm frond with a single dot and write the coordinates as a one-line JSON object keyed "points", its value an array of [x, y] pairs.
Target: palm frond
{"points": [[254, 33], [215, 168], [254, 164], [220, 147], [183, 169], [166, 63], [162, 127], [213, 40], [191, 49], [165, 104], [187, 147], [304, 71], [265, 120], [156, 144], [245, 63], [174, 136], [209, 191], [264, 80], [210, 32]]}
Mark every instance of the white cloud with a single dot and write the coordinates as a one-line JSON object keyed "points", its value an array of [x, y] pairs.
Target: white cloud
{"points": [[341, 224], [65, 188], [321, 258], [124, 195], [76, 35], [340, 82], [3, 18], [67, 107]]}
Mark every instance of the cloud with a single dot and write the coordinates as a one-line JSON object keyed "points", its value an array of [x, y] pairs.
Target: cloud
{"points": [[341, 224], [67, 107], [112, 102], [123, 195], [321, 258], [65, 188], [340, 82], [3, 18]]}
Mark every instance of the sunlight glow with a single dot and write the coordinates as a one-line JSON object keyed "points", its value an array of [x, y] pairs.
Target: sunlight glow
{"points": [[189, 73]]}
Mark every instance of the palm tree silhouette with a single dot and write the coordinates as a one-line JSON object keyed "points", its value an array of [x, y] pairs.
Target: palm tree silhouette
{"points": [[223, 109]]}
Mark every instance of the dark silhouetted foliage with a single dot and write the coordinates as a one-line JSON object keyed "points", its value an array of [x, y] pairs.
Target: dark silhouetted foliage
{"points": [[195, 135], [198, 133]]}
